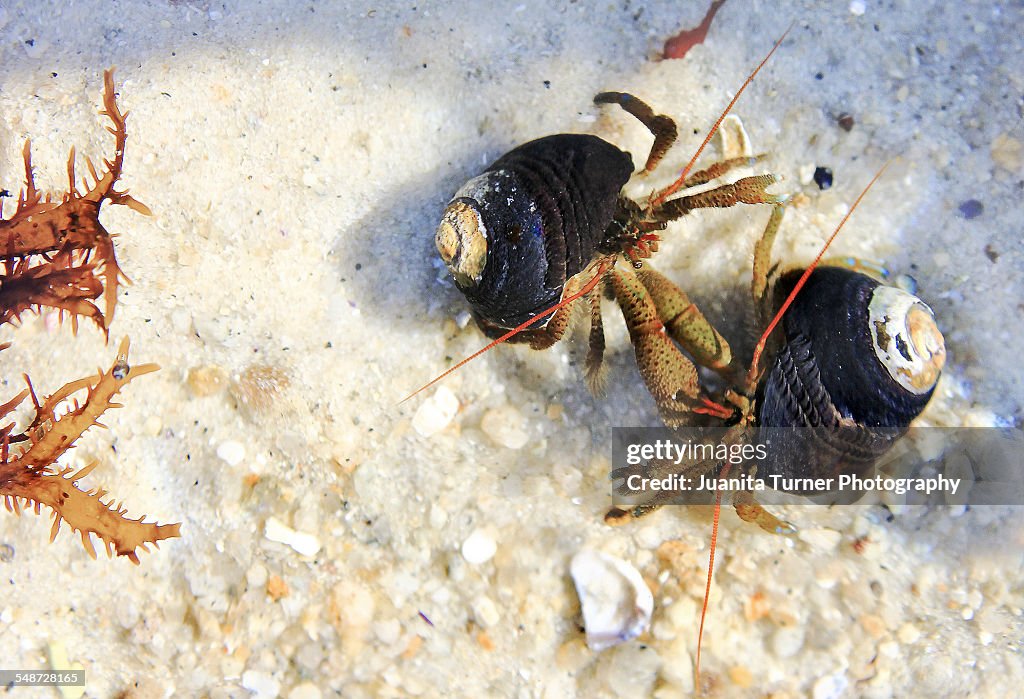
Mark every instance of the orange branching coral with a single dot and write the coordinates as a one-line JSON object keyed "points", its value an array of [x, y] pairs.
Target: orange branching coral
{"points": [[57, 254]]}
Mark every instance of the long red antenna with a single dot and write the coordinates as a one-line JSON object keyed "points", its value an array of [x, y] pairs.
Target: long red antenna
{"points": [[707, 586], [587, 288], [677, 185], [752, 374]]}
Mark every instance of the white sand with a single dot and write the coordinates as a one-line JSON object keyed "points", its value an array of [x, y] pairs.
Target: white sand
{"points": [[297, 158]]}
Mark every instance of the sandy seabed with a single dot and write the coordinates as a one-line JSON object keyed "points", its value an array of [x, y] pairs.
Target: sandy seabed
{"points": [[297, 156]]}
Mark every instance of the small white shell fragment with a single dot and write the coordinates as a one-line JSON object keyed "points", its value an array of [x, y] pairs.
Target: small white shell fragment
{"points": [[615, 600], [485, 612], [436, 412], [734, 139], [278, 531], [479, 547], [231, 452]]}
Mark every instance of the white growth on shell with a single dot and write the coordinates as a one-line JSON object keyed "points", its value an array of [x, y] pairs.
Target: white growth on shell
{"points": [[615, 600]]}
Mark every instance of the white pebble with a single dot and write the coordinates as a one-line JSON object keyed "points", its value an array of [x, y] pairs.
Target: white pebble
{"points": [[506, 427], [306, 690], [966, 613], [857, 8], [787, 640], [388, 631], [261, 684], [615, 600], [908, 633], [479, 547], [485, 612], [257, 575], [975, 598], [153, 425], [231, 452], [830, 687], [677, 665], [436, 412], [821, 539], [438, 517], [305, 544]]}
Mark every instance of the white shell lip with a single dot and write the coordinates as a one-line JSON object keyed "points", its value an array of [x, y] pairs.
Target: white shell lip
{"points": [[906, 339], [615, 600]]}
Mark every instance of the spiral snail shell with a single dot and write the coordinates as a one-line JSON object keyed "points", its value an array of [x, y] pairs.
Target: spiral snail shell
{"points": [[534, 218], [858, 361]]}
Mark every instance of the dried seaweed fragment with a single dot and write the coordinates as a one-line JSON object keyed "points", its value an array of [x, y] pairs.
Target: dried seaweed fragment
{"points": [[680, 44], [46, 245], [55, 253], [28, 477]]}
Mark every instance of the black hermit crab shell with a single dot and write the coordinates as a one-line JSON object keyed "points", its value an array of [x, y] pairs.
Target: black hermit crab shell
{"points": [[514, 234], [858, 361]]}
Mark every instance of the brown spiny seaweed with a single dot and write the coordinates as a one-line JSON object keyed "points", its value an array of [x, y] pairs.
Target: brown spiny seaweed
{"points": [[57, 254]]}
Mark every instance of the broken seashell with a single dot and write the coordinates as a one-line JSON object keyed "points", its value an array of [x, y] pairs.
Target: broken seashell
{"points": [[734, 139], [616, 602]]}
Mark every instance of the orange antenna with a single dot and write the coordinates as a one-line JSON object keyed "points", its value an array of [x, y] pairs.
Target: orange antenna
{"points": [[677, 185], [587, 288], [752, 373], [707, 585]]}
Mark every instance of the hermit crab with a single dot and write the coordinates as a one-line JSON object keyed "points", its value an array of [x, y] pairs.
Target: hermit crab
{"points": [[543, 228]]}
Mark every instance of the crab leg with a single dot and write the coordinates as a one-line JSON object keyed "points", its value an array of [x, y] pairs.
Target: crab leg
{"points": [[594, 368], [749, 510], [722, 167], [763, 258], [684, 321], [747, 190], [670, 376], [661, 126]]}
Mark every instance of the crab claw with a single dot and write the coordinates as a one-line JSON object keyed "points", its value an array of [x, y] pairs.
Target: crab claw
{"points": [[685, 323], [670, 376]]}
